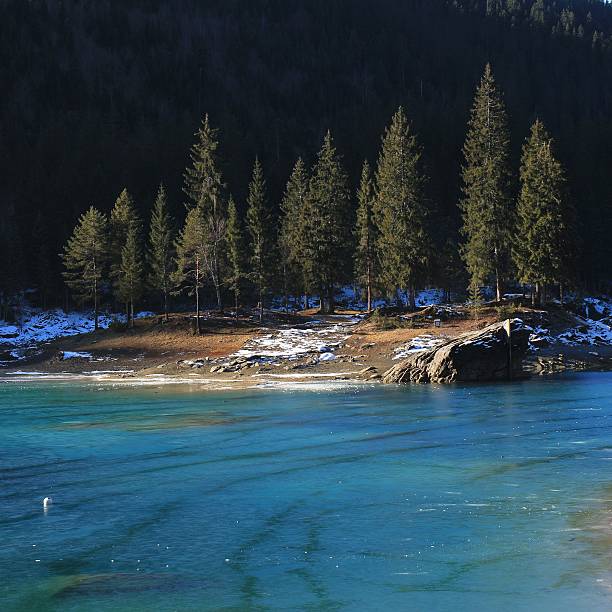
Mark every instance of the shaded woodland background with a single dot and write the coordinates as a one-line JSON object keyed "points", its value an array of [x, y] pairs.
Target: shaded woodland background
{"points": [[101, 95]]}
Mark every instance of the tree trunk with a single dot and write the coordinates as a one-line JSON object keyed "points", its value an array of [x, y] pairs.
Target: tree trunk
{"points": [[236, 305], [166, 306], [260, 305], [197, 296], [285, 290], [95, 295], [412, 297], [498, 287], [131, 318], [96, 309], [561, 293], [218, 292]]}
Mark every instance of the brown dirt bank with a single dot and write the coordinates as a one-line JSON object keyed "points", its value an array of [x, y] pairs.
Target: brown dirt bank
{"points": [[155, 347]]}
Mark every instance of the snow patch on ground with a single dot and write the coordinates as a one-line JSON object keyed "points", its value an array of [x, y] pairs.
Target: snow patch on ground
{"points": [[419, 343], [351, 297], [44, 325], [596, 331], [75, 355], [316, 338]]}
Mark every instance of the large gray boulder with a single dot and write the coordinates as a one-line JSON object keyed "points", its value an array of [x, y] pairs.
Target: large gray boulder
{"points": [[483, 355]]}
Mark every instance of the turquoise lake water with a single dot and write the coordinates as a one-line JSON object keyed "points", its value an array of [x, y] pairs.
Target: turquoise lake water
{"points": [[363, 498]]}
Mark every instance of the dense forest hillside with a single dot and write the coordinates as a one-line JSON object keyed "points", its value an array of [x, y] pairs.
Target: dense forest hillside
{"points": [[101, 95]]}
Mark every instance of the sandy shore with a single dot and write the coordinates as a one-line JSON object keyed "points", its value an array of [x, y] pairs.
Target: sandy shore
{"points": [[284, 351]]}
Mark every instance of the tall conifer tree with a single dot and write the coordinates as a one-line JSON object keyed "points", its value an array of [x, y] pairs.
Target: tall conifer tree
{"points": [[545, 219], [205, 189], [85, 258], [203, 182], [364, 234], [123, 219], [487, 216], [291, 234], [235, 247], [260, 229], [160, 255], [190, 258], [400, 211], [327, 232], [130, 281]]}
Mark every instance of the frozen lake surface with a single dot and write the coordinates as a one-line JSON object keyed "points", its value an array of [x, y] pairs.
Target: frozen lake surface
{"points": [[419, 498]]}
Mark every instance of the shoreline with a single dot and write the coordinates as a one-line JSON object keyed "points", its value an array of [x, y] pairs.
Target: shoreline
{"points": [[302, 350]]}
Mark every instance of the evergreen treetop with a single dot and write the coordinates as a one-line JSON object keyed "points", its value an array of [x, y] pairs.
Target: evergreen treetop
{"points": [[328, 236], [364, 233], [545, 220], [85, 258], [236, 255], [260, 229], [130, 283], [487, 215], [204, 185], [191, 249], [160, 253], [401, 211]]}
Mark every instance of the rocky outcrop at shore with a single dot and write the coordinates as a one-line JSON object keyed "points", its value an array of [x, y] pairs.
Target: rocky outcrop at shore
{"points": [[484, 355]]}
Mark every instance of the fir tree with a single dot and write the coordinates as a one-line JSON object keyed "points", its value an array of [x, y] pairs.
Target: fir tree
{"points": [[327, 232], [191, 247], [475, 299], [130, 281], [291, 234], [123, 219], [203, 183], [259, 225], [487, 217], [400, 212], [161, 248], [364, 234], [235, 246], [544, 225], [85, 258], [204, 188]]}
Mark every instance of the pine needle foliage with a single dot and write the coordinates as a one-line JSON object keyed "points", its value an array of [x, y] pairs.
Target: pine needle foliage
{"points": [[191, 273], [130, 284], [400, 211], [203, 184], [364, 234], [236, 253], [259, 223], [291, 237], [123, 219], [205, 189], [329, 219], [85, 258], [545, 218], [161, 248], [487, 215]]}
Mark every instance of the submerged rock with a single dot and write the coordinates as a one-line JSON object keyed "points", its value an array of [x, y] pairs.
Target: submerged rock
{"points": [[482, 355]]}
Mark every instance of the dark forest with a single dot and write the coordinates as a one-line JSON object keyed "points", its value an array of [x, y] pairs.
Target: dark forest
{"points": [[101, 96]]}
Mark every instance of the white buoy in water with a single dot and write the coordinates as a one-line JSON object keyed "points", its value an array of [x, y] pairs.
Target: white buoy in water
{"points": [[47, 502]]}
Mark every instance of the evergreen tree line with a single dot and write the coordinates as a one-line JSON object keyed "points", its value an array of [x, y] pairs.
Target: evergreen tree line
{"points": [[386, 245], [102, 95]]}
